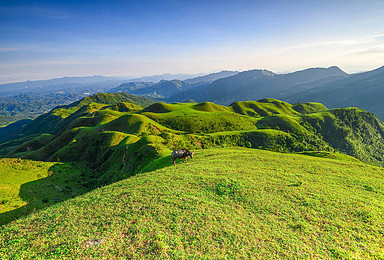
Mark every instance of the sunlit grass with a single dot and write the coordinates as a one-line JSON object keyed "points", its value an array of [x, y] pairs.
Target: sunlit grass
{"points": [[26, 186], [224, 203]]}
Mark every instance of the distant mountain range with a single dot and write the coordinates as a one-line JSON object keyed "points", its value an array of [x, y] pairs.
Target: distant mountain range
{"points": [[74, 85], [330, 86], [258, 84], [365, 90], [77, 85], [226, 87], [29, 99], [31, 105], [169, 89]]}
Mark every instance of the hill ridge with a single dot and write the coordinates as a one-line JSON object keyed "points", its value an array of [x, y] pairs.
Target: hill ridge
{"points": [[81, 128]]}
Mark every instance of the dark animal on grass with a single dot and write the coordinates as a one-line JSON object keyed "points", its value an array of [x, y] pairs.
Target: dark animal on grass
{"points": [[180, 154]]}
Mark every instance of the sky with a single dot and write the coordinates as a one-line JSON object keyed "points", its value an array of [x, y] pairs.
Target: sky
{"points": [[49, 39]]}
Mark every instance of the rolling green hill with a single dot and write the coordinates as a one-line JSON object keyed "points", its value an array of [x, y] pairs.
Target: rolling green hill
{"points": [[26, 186], [59, 117], [93, 131], [95, 179], [118, 139], [224, 203]]}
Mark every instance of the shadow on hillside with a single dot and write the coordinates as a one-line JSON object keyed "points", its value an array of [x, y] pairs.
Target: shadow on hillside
{"points": [[158, 163], [64, 181]]}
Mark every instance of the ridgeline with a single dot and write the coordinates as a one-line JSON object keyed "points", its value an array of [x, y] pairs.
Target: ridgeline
{"points": [[250, 202]]}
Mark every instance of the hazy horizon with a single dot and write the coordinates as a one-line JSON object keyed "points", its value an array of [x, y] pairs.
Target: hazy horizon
{"points": [[133, 39], [181, 75]]}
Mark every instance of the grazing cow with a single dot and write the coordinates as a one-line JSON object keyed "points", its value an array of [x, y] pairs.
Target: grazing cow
{"points": [[182, 153]]}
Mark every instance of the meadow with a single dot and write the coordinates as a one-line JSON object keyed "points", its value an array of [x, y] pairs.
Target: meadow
{"points": [[95, 179], [224, 203], [27, 186]]}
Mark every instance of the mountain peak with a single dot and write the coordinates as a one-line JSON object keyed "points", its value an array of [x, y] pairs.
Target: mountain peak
{"points": [[336, 69], [259, 72]]}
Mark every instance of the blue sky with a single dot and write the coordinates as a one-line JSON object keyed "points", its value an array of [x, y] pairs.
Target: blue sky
{"points": [[47, 39]]}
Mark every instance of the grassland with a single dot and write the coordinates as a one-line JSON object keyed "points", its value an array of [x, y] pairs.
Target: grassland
{"points": [[77, 132], [27, 186], [225, 203]]}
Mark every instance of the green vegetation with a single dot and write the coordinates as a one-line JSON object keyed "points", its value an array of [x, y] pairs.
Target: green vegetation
{"points": [[263, 108], [118, 140], [224, 203], [198, 118], [352, 131], [60, 117], [27, 185], [309, 107], [230, 202], [29, 106], [95, 132]]}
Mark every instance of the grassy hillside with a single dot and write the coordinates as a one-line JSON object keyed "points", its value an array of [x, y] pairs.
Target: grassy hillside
{"points": [[26, 185], [59, 117], [102, 134], [119, 140], [224, 203]]}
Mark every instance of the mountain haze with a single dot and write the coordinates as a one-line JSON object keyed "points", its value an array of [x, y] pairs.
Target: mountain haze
{"points": [[212, 77], [168, 89], [258, 84], [73, 85], [365, 90]]}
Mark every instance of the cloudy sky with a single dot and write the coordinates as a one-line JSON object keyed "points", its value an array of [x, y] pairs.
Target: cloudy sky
{"points": [[47, 39]]}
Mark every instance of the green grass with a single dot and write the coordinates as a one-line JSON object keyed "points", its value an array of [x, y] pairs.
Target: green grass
{"points": [[330, 155], [223, 204], [59, 118], [266, 124], [309, 107], [26, 185], [263, 108], [198, 118]]}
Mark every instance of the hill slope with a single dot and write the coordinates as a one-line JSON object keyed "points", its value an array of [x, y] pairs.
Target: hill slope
{"points": [[26, 186], [56, 119], [103, 134], [225, 203], [365, 90], [258, 84]]}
